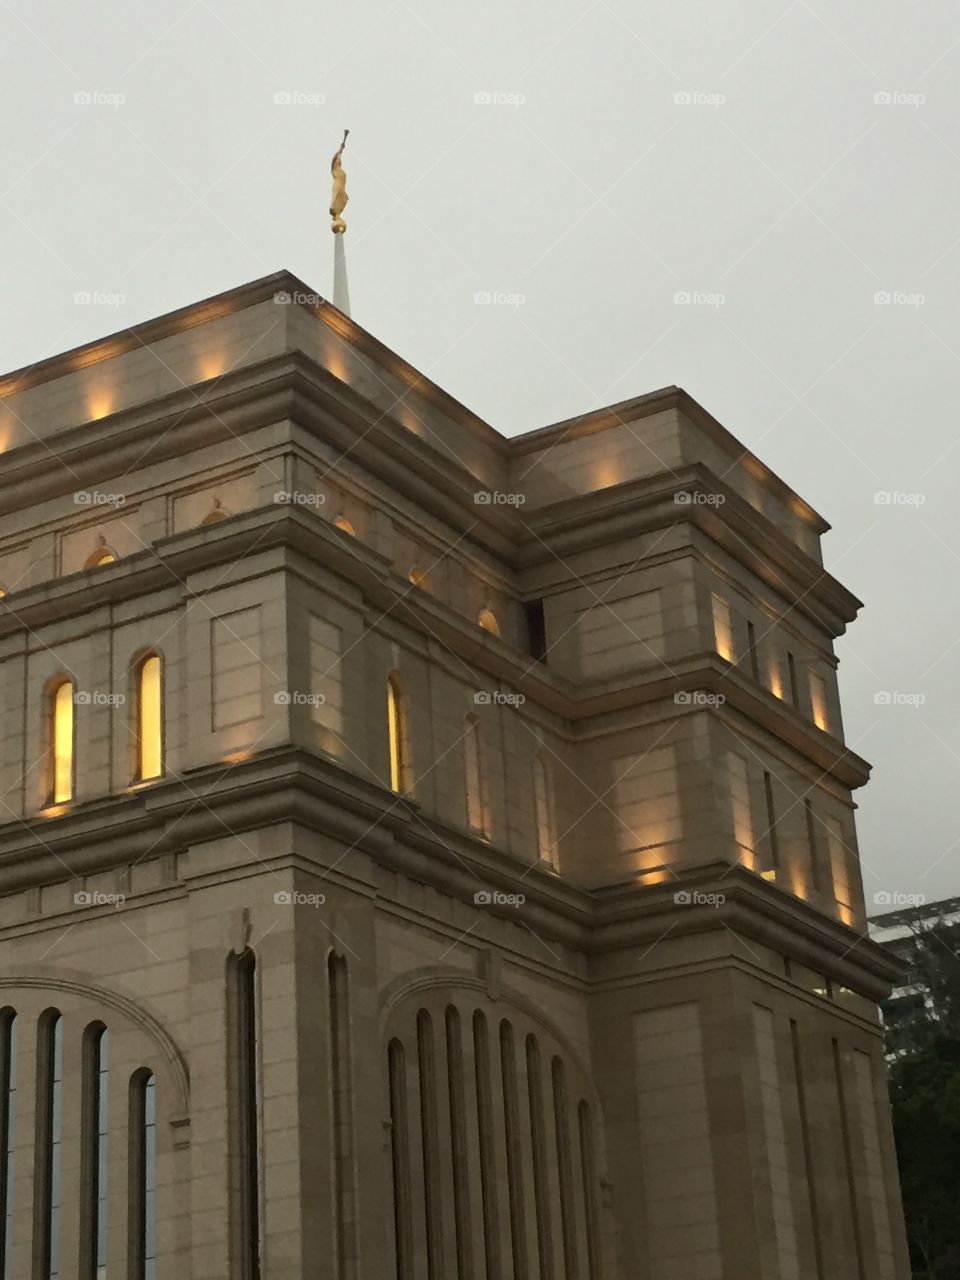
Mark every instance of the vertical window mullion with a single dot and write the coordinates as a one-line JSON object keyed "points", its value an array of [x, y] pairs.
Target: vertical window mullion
{"points": [[247, 1121], [8, 1114], [48, 1141]]}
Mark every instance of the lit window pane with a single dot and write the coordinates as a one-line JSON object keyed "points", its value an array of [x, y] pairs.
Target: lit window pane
{"points": [[151, 719], [63, 743]]}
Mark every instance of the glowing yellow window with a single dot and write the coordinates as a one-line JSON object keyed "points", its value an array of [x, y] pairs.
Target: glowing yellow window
{"points": [[102, 555], [344, 525], [723, 629], [473, 768], [543, 805], [818, 700], [62, 711], [488, 620], [150, 717], [396, 731]]}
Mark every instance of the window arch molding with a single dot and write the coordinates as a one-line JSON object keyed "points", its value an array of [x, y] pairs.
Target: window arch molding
{"points": [[440, 1032], [80, 1003]]}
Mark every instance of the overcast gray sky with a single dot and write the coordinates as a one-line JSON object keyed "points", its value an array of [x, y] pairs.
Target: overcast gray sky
{"points": [[629, 151]]}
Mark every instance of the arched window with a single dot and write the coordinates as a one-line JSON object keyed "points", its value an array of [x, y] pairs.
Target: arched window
{"points": [[61, 742], [8, 1117], [543, 805], [214, 516], [246, 1036], [93, 1145], [341, 522], [487, 619], [142, 1228], [397, 736], [100, 556], [149, 693], [473, 769], [49, 1140]]}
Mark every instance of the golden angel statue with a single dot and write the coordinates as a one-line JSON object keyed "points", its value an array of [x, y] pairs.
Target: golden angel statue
{"points": [[338, 201]]}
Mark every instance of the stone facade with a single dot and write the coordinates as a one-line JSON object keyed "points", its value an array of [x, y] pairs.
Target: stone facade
{"points": [[590, 997]]}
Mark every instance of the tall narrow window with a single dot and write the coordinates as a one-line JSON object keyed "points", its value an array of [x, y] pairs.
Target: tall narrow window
{"points": [[48, 1144], [142, 1229], [723, 629], [775, 676], [150, 717], [8, 1118], [741, 807], [794, 687], [818, 700], [774, 843], [839, 866], [473, 768], [93, 1147], [812, 845], [543, 805], [397, 734], [752, 650], [246, 1033], [536, 629], [61, 735]]}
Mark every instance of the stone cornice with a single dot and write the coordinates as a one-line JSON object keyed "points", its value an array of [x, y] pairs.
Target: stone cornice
{"points": [[171, 561], [286, 785], [643, 406], [294, 387]]}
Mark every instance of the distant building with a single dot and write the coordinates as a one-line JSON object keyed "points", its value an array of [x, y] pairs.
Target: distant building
{"points": [[424, 854], [898, 931]]}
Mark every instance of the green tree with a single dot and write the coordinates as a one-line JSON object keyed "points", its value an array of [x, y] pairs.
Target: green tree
{"points": [[925, 1093]]}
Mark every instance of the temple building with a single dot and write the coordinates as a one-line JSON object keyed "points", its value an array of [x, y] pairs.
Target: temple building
{"points": [[424, 854]]}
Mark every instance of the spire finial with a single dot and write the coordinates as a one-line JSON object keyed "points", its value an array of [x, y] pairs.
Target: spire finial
{"points": [[339, 198]]}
